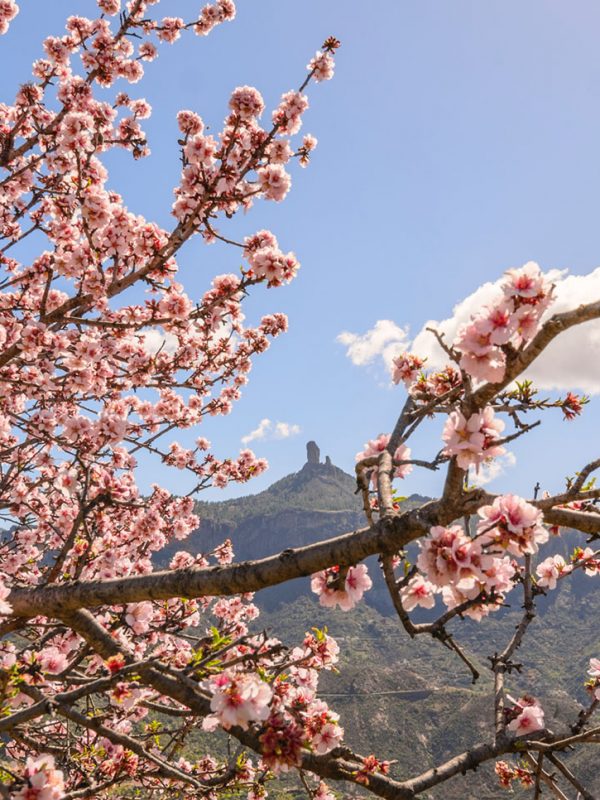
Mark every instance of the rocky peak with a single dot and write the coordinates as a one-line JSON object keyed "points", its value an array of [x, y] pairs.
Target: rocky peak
{"points": [[313, 454], [313, 460]]}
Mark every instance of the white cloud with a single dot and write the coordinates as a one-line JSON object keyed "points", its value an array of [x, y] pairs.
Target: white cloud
{"points": [[494, 469], [285, 429], [155, 340], [570, 362], [266, 429], [385, 339]]}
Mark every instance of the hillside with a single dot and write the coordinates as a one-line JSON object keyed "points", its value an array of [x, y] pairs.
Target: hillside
{"points": [[317, 502], [409, 701], [316, 487], [412, 701]]}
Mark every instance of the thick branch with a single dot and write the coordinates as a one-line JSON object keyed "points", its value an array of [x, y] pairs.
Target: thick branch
{"points": [[388, 535]]}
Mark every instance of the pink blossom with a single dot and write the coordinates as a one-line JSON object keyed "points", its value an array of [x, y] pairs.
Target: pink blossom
{"points": [[356, 583], [527, 323], [279, 151], [550, 570], [238, 699], [328, 737], [247, 102], [147, 51], [274, 182], [448, 555], [513, 524], [259, 240], [170, 29], [8, 11], [374, 447], [594, 669], [472, 440], [52, 660], [323, 792], [528, 283], [501, 322], [126, 695], [498, 574], [323, 649], [459, 566], [406, 368], [591, 562], [512, 319], [486, 367], [287, 116], [418, 592], [271, 264], [189, 122], [281, 744], [139, 616], [200, 150], [43, 780], [110, 7], [323, 66], [529, 719], [475, 338]]}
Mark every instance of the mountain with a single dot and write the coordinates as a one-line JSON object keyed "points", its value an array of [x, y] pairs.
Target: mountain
{"points": [[316, 487], [317, 502]]}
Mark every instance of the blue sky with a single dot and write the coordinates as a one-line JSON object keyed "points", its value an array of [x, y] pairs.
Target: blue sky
{"points": [[456, 140]]}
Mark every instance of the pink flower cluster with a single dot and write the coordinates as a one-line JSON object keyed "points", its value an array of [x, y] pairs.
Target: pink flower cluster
{"points": [[8, 11], [237, 700], [588, 559], [427, 387], [550, 570], [474, 440], [105, 356], [512, 524], [507, 774], [215, 14], [375, 447], [513, 320], [371, 766], [323, 66], [266, 260], [322, 726], [326, 585], [594, 671], [288, 114], [286, 708], [406, 368], [247, 102], [43, 780], [274, 182], [457, 566]]}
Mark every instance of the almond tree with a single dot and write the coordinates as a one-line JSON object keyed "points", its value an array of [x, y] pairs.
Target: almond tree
{"points": [[108, 666]]}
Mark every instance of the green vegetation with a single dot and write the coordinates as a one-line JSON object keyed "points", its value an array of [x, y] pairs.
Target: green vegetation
{"points": [[315, 487], [411, 701]]}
